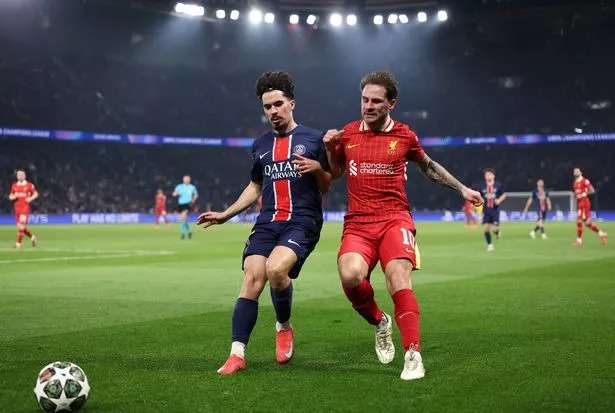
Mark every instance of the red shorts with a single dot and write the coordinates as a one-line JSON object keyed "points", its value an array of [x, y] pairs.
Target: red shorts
{"points": [[584, 209], [22, 217], [382, 241], [161, 211]]}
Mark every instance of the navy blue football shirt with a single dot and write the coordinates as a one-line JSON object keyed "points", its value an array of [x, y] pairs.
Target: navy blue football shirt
{"points": [[288, 195]]}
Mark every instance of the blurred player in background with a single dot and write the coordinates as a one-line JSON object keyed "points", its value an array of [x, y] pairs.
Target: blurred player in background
{"points": [[374, 152], [494, 195], [543, 204], [468, 210], [160, 208], [186, 194], [289, 169], [22, 194], [582, 189]]}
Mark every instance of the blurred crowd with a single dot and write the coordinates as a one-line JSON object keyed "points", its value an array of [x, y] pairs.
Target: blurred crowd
{"points": [[544, 71], [95, 177]]}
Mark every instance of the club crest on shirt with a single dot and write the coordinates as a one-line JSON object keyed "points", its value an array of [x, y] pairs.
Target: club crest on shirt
{"points": [[299, 149], [392, 147]]}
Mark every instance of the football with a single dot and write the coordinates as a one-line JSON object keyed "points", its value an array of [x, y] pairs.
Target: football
{"points": [[61, 387]]}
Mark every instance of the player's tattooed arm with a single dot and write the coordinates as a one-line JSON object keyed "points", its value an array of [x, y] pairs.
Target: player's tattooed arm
{"points": [[438, 174]]}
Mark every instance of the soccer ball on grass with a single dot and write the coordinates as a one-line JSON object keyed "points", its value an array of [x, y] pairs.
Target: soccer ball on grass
{"points": [[61, 387]]}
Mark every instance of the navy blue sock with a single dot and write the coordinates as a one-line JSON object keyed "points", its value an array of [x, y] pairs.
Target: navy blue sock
{"points": [[282, 301], [536, 228], [542, 229], [244, 319], [488, 237]]}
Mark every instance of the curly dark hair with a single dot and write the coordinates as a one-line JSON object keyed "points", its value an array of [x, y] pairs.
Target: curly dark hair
{"points": [[489, 170], [381, 78], [275, 80]]}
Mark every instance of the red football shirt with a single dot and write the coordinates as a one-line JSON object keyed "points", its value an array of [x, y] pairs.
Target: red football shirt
{"points": [[161, 201], [22, 191], [376, 169], [581, 187]]}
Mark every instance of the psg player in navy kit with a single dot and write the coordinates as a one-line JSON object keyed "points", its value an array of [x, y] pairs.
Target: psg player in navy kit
{"points": [[494, 195], [290, 170]]}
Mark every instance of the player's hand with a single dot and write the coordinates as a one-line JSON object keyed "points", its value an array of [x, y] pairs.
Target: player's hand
{"points": [[209, 218], [305, 165], [471, 195], [332, 138], [12, 197]]}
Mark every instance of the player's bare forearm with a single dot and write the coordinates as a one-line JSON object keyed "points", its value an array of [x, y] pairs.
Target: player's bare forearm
{"points": [[248, 197], [438, 174], [33, 197], [12, 197], [337, 169], [549, 204], [501, 199], [323, 180]]}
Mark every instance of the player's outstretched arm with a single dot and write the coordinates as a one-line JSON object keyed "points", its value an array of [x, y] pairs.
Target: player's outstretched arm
{"points": [[438, 174], [32, 197], [528, 203], [333, 141], [248, 197]]}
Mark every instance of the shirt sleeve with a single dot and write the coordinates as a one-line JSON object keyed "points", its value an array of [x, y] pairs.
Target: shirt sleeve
{"points": [[256, 174], [194, 191], [415, 152]]}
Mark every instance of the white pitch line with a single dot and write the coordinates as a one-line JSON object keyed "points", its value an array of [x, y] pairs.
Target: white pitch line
{"points": [[88, 257], [27, 249]]}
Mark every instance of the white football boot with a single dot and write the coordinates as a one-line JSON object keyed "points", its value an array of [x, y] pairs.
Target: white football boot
{"points": [[385, 349], [413, 366], [532, 234]]}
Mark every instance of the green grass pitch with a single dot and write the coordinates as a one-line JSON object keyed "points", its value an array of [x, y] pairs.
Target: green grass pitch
{"points": [[528, 327]]}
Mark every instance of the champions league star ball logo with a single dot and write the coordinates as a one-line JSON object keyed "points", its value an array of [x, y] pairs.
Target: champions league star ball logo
{"points": [[299, 149]]}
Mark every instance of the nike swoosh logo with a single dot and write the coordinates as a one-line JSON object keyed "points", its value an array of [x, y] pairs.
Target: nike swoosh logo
{"points": [[290, 352], [352, 146], [297, 244], [263, 155]]}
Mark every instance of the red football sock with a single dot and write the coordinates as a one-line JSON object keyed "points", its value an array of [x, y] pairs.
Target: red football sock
{"points": [[579, 230], [407, 318], [591, 226], [362, 299], [20, 236], [27, 232]]}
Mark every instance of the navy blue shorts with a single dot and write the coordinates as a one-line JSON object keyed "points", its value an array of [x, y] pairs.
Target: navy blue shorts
{"points": [[183, 207], [542, 215], [300, 236], [491, 216]]}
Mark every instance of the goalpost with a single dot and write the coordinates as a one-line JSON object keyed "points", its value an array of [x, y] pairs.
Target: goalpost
{"points": [[563, 204]]}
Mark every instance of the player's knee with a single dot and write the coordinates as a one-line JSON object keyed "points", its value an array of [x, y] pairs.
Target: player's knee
{"points": [[277, 273], [351, 275], [397, 275], [253, 283], [21, 227]]}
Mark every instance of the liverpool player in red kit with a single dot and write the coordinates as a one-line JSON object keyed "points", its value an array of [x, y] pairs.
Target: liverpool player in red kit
{"points": [[468, 210], [22, 194], [582, 189], [161, 208], [379, 226]]}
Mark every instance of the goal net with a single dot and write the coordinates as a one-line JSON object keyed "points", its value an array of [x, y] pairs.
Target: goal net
{"points": [[563, 205]]}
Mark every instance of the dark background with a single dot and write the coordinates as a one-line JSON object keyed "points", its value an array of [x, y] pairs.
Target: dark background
{"points": [[495, 67]]}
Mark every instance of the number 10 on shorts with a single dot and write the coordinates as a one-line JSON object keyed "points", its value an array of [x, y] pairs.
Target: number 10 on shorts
{"points": [[408, 237]]}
